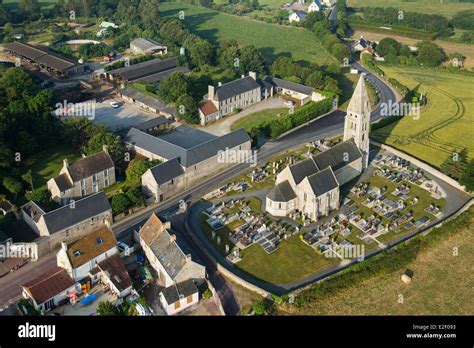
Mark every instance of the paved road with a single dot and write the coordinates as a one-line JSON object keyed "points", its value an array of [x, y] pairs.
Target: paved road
{"points": [[10, 285]]}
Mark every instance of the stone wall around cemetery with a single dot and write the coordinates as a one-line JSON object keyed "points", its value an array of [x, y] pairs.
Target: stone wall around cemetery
{"points": [[421, 165]]}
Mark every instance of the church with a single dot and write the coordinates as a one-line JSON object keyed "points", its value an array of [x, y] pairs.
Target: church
{"points": [[312, 186]]}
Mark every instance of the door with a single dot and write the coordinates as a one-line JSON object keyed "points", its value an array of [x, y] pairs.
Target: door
{"points": [[48, 305]]}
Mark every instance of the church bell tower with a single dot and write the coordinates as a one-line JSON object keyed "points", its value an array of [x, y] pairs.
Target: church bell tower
{"points": [[357, 121]]}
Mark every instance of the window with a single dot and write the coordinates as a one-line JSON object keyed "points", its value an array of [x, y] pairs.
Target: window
{"points": [[77, 253], [99, 241], [106, 182], [172, 181], [177, 304], [83, 192], [190, 299], [106, 173], [304, 197], [95, 187], [94, 177]]}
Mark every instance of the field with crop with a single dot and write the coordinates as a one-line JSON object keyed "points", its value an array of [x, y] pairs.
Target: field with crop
{"points": [[446, 8], [445, 123], [271, 39]]}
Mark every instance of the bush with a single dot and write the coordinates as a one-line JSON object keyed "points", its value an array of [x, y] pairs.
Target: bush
{"points": [[120, 203], [207, 294]]}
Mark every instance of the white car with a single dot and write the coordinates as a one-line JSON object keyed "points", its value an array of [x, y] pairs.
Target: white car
{"points": [[289, 103], [114, 104]]}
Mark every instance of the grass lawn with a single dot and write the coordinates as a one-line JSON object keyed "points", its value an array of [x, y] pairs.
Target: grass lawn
{"points": [[47, 164], [271, 39], [446, 8], [292, 260], [258, 118], [446, 122], [442, 283]]}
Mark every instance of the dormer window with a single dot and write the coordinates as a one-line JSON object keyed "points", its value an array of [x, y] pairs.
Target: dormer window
{"points": [[77, 253], [99, 241]]}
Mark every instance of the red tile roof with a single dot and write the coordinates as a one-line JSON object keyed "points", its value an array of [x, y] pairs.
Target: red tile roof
{"points": [[49, 284], [207, 107]]}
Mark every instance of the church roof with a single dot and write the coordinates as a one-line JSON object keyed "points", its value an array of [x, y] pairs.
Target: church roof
{"points": [[282, 192], [303, 169], [323, 181], [360, 103], [338, 156]]}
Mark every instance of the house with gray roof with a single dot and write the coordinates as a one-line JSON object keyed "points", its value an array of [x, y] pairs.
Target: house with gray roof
{"points": [[67, 223], [312, 186], [167, 255], [178, 297], [146, 102], [227, 98], [85, 176], [188, 155]]}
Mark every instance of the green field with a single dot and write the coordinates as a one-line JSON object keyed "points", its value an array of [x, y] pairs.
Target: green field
{"points": [[271, 39], [445, 124], [446, 8], [293, 260]]}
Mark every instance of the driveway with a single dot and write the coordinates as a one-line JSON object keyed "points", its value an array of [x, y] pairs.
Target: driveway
{"points": [[223, 126], [125, 116]]}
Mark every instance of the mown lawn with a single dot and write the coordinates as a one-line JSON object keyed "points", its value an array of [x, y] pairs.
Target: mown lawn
{"points": [[47, 164], [293, 260], [272, 40], [445, 123], [258, 118]]}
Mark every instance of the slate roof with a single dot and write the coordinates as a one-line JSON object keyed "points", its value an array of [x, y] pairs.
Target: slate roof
{"points": [[33, 210], [303, 169], [90, 246], [323, 181], [166, 171], [282, 192], [115, 270], [276, 82], [85, 208], [236, 87], [153, 123], [40, 55], [143, 69], [161, 75], [147, 100], [360, 102], [173, 292], [187, 156], [86, 167], [49, 284], [336, 155], [164, 246], [63, 183], [301, 14]]}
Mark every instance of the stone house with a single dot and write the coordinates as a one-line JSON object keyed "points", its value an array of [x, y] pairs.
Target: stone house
{"points": [[168, 254], [83, 177]]}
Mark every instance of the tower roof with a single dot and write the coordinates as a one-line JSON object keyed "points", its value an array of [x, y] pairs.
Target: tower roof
{"points": [[360, 103]]}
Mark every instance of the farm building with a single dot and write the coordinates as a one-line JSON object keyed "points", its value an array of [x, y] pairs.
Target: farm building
{"points": [[147, 46], [45, 60]]}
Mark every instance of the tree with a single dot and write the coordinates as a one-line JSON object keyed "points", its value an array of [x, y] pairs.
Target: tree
{"points": [[30, 8], [95, 144], [467, 177], [107, 308], [429, 54], [28, 177], [251, 60], [173, 86], [388, 46], [136, 168], [120, 203], [13, 185], [187, 108], [316, 79], [41, 196]]}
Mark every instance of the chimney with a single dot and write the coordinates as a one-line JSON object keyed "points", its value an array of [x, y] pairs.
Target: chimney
{"points": [[105, 148], [219, 83], [172, 237], [253, 75], [210, 93], [65, 163], [64, 246]]}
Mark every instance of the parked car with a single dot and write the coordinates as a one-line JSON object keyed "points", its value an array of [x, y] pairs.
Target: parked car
{"points": [[114, 104], [289, 103]]}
